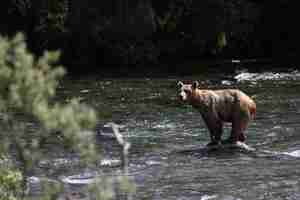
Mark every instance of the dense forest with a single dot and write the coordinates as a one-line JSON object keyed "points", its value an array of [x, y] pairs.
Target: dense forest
{"points": [[130, 34]]}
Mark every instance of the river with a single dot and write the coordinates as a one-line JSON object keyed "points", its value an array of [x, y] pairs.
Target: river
{"points": [[168, 159]]}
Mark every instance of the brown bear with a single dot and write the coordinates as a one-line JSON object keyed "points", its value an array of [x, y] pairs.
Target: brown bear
{"points": [[218, 107]]}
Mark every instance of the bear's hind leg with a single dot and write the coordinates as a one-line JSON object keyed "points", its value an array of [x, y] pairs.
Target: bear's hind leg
{"points": [[237, 132], [241, 118], [243, 127]]}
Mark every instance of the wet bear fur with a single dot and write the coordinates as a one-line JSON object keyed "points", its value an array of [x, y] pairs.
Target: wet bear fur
{"points": [[218, 107]]}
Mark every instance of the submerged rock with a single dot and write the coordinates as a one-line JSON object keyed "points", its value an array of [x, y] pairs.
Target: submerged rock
{"points": [[238, 145], [80, 179]]}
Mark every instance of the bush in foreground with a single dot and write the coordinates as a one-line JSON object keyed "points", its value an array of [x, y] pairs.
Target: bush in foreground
{"points": [[27, 87]]}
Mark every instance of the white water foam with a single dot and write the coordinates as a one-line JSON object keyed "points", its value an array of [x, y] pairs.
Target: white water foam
{"points": [[209, 197], [247, 76], [295, 153], [110, 162]]}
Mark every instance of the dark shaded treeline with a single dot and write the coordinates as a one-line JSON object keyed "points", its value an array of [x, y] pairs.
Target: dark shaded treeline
{"points": [[122, 35]]}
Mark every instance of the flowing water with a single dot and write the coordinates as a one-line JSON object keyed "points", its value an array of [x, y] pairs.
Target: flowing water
{"points": [[168, 158]]}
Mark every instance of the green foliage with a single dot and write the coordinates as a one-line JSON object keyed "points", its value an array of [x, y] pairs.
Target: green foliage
{"points": [[170, 20], [24, 82], [92, 32], [144, 32], [27, 86], [52, 19], [221, 40], [10, 183]]}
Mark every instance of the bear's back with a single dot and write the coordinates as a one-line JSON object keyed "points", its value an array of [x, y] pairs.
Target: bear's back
{"points": [[229, 101]]}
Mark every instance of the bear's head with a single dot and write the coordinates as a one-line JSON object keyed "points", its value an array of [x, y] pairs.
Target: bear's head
{"points": [[186, 90]]}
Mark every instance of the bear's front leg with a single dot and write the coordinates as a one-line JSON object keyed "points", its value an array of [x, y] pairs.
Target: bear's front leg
{"points": [[215, 128], [240, 120]]}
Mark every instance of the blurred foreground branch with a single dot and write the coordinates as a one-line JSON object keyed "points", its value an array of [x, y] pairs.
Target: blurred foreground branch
{"points": [[124, 145]]}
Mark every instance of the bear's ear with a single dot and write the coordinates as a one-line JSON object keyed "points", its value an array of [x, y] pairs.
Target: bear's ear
{"points": [[180, 84], [195, 85]]}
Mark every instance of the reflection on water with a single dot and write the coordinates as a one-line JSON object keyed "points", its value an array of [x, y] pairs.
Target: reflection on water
{"points": [[168, 159]]}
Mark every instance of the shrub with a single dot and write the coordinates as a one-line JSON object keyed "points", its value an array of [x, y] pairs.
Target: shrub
{"points": [[27, 86]]}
